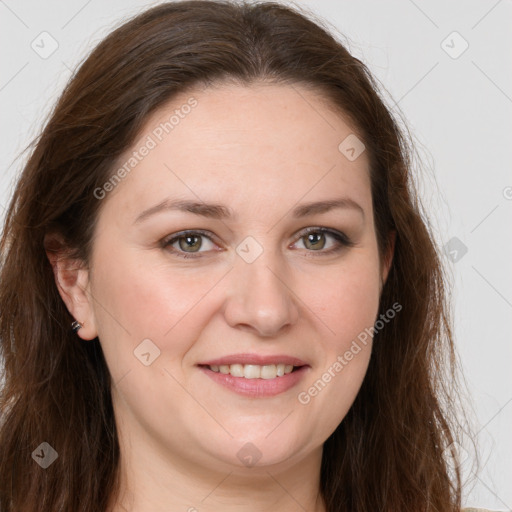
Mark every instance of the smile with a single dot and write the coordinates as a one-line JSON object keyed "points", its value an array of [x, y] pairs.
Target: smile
{"points": [[253, 371], [256, 381]]}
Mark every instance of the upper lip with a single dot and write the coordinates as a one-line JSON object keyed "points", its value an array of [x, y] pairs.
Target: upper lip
{"points": [[257, 359]]}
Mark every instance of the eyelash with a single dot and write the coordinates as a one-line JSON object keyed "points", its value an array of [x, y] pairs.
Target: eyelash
{"points": [[342, 240]]}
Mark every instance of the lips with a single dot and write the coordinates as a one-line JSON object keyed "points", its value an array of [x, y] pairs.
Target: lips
{"points": [[255, 359], [256, 375]]}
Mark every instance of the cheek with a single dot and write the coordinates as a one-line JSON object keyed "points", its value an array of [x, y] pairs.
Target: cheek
{"points": [[137, 299], [346, 299]]}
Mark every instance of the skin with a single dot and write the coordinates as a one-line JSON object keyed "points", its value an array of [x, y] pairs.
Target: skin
{"points": [[261, 150]]}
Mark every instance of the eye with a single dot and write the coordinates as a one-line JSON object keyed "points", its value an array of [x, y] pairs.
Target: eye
{"points": [[323, 240], [188, 243]]}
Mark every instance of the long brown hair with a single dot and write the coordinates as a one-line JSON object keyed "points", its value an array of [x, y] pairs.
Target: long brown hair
{"points": [[387, 453]]}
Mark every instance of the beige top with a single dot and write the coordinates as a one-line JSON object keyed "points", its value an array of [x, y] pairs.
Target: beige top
{"points": [[476, 510]]}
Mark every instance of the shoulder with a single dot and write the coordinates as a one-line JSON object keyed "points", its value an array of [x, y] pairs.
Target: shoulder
{"points": [[471, 509]]}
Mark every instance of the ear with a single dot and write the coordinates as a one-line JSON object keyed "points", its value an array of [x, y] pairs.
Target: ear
{"points": [[388, 258], [72, 280]]}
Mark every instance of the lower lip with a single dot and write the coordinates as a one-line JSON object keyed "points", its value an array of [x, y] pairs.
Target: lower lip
{"points": [[257, 388]]}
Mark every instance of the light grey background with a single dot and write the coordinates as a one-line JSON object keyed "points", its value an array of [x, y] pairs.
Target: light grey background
{"points": [[458, 106]]}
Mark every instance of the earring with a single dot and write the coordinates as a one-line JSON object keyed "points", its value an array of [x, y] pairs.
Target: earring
{"points": [[76, 326]]}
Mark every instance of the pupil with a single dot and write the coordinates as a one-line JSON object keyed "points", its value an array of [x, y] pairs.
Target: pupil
{"points": [[314, 239], [191, 242]]}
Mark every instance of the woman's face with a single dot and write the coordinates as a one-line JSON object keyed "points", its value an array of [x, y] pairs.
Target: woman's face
{"points": [[280, 267]]}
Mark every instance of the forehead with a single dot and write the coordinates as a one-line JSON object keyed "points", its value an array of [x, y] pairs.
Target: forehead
{"points": [[267, 143]]}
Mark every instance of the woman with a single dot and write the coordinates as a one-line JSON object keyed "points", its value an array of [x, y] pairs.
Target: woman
{"points": [[217, 289]]}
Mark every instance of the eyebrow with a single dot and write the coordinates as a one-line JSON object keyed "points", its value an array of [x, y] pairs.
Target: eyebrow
{"points": [[219, 211]]}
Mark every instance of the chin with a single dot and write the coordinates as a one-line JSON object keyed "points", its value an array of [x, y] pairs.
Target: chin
{"points": [[259, 450]]}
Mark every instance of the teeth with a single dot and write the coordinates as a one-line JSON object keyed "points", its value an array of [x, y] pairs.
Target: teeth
{"points": [[251, 371], [254, 371], [269, 371], [237, 370]]}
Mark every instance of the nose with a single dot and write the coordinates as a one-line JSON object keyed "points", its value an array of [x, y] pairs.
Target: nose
{"points": [[261, 298]]}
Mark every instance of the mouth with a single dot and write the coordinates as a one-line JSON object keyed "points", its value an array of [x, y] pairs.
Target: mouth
{"points": [[254, 371], [256, 376]]}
